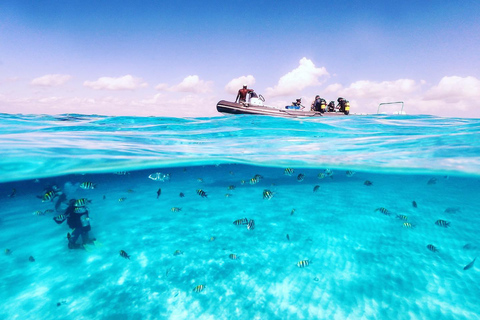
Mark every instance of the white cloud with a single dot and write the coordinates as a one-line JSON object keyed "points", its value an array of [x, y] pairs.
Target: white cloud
{"points": [[237, 83], [376, 90], [191, 84], [455, 89], [51, 80], [126, 82], [305, 75]]}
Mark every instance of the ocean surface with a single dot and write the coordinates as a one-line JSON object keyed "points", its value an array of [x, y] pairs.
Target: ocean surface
{"points": [[241, 217]]}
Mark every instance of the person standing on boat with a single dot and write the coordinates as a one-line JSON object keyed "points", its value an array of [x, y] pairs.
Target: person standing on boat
{"points": [[242, 94]]}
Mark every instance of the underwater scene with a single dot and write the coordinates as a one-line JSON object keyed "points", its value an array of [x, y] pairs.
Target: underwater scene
{"points": [[369, 217]]}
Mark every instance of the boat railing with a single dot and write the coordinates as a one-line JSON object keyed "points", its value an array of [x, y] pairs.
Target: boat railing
{"points": [[390, 103]]}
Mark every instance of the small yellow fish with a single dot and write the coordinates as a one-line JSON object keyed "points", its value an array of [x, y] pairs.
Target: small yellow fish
{"points": [[288, 171], [321, 175], [176, 209], [48, 211], [233, 256], [178, 252], [212, 239], [402, 217], [231, 187], [303, 263], [227, 195], [38, 213], [122, 199], [199, 288]]}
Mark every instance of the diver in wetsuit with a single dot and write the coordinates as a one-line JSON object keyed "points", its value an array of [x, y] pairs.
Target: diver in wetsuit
{"points": [[78, 220]]}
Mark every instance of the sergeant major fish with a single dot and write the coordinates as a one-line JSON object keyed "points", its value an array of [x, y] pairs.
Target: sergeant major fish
{"points": [[432, 248], [300, 177], [442, 223], [240, 222], [82, 202], [315, 189], [88, 185], [201, 193], [199, 288], [303, 263], [267, 194], [288, 171], [383, 210], [251, 225], [125, 255]]}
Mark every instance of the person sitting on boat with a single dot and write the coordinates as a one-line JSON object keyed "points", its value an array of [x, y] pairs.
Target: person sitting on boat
{"points": [[341, 104], [331, 106], [298, 103], [319, 104], [242, 94], [313, 107]]}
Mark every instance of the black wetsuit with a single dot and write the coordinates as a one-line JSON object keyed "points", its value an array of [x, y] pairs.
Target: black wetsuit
{"points": [[79, 222]]}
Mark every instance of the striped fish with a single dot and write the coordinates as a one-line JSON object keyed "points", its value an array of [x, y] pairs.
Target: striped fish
{"points": [[350, 173], [48, 196], [176, 209], [300, 177], [442, 223], [251, 225], [288, 171], [199, 288], [303, 263], [82, 202], [240, 222], [231, 187], [233, 256], [267, 194], [432, 248], [402, 217], [253, 181], [201, 193], [383, 210], [88, 185], [407, 225]]}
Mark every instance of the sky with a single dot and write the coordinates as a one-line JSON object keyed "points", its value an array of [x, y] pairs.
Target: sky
{"points": [[179, 58]]}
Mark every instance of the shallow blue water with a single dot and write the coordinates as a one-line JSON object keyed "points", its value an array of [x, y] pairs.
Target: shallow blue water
{"points": [[362, 263]]}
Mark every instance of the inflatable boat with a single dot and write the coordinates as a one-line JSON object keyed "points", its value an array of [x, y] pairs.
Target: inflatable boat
{"points": [[255, 105]]}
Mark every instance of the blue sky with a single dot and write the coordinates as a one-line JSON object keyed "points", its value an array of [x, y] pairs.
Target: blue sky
{"points": [[178, 58]]}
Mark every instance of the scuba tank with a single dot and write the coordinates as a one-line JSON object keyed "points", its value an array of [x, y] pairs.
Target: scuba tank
{"points": [[331, 106], [85, 220], [347, 107], [323, 105]]}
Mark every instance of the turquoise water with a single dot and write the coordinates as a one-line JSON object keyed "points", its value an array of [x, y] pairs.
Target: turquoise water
{"points": [[363, 261]]}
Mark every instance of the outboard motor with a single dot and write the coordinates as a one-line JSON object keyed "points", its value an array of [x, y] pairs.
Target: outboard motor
{"points": [[331, 106]]}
